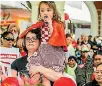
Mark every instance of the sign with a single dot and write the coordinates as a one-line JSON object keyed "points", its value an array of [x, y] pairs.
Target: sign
{"points": [[8, 55]]}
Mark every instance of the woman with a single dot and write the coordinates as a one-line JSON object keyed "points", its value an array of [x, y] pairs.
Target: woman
{"points": [[7, 39], [15, 30], [98, 77], [31, 44]]}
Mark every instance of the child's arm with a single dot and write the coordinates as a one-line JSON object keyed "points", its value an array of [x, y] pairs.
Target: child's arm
{"points": [[48, 73]]}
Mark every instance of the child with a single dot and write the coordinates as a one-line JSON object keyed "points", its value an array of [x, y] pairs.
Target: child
{"points": [[52, 40]]}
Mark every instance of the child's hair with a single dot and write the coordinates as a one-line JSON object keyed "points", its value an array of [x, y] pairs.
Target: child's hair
{"points": [[72, 57], [52, 5]]}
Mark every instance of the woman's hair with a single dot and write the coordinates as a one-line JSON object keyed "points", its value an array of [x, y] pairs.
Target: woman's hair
{"points": [[72, 57], [13, 25], [5, 34], [38, 35], [52, 5]]}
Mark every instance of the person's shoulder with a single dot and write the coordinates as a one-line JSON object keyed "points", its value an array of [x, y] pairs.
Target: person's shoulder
{"points": [[21, 58], [88, 84]]}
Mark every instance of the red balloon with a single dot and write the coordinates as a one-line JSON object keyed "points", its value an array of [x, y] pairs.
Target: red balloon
{"points": [[10, 81], [66, 16], [64, 81]]}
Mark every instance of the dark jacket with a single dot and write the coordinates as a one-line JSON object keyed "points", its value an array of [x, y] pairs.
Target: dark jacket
{"points": [[86, 72], [93, 83]]}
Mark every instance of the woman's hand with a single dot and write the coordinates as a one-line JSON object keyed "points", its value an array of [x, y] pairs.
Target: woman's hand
{"points": [[34, 70]]}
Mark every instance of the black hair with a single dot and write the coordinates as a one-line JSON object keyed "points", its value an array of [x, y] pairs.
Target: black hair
{"points": [[99, 64], [68, 35], [5, 34], [97, 53], [72, 57], [36, 31]]}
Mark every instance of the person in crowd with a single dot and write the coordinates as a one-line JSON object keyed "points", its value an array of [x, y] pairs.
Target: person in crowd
{"points": [[31, 44], [7, 39], [90, 41], [97, 59], [74, 43], [95, 47], [78, 49], [84, 56], [83, 36], [72, 69], [86, 65], [13, 28], [50, 49], [98, 77], [87, 72], [71, 50]]}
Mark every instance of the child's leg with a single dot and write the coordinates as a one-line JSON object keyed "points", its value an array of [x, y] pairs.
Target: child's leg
{"points": [[45, 81]]}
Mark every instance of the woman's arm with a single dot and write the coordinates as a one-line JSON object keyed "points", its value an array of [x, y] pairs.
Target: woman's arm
{"points": [[48, 73]]}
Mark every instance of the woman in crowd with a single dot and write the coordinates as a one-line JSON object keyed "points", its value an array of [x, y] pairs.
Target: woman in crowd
{"points": [[31, 44], [98, 77], [7, 39], [15, 30]]}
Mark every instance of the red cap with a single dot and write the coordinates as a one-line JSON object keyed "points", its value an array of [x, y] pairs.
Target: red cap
{"points": [[10, 81], [64, 81], [37, 25]]}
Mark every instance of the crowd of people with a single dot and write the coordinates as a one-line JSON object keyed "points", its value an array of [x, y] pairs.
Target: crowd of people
{"points": [[51, 57]]}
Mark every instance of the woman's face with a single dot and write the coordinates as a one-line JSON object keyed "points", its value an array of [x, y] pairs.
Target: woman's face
{"points": [[97, 60], [14, 30], [45, 10], [32, 43], [71, 62], [8, 41], [98, 74], [69, 40]]}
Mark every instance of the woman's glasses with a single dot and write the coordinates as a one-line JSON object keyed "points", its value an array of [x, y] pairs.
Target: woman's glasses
{"points": [[8, 39], [31, 39]]}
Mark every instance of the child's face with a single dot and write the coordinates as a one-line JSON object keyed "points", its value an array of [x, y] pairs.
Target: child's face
{"points": [[45, 10], [71, 62]]}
